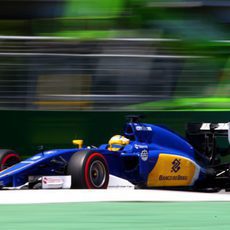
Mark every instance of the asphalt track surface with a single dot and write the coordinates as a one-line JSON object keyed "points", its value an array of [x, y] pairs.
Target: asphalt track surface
{"points": [[147, 209]]}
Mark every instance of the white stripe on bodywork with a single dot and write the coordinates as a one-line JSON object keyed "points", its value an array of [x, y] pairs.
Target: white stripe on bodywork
{"points": [[27, 162], [13, 171]]}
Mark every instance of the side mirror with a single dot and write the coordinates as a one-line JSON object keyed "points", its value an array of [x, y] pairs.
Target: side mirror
{"points": [[40, 148], [79, 143]]}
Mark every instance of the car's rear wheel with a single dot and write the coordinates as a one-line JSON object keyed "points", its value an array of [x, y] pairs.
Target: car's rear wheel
{"points": [[88, 170], [8, 158]]}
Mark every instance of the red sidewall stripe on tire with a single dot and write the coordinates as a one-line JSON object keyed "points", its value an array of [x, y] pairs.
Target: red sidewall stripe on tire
{"points": [[7, 157], [88, 183]]}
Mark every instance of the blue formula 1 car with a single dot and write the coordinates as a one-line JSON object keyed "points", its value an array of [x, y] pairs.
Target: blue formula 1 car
{"points": [[147, 155]]}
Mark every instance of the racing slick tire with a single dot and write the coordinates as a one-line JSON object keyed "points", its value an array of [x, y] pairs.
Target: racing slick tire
{"points": [[88, 170], [8, 158]]}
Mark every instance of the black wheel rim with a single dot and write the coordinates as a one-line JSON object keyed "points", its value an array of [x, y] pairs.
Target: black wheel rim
{"points": [[97, 174]]}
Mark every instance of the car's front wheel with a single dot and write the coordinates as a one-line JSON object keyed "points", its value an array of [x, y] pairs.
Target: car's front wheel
{"points": [[88, 170], [8, 158]]}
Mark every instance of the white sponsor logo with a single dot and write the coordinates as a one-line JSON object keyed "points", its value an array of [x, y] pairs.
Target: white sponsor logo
{"points": [[138, 128], [144, 155], [56, 182], [140, 146]]}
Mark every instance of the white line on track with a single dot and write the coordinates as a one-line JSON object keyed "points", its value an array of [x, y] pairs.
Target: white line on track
{"points": [[114, 195]]}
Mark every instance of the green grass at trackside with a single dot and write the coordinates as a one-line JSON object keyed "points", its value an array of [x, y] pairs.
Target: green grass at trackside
{"points": [[132, 215]]}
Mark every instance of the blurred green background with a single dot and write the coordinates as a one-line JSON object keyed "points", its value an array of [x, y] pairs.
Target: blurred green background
{"points": [[74, 68]]}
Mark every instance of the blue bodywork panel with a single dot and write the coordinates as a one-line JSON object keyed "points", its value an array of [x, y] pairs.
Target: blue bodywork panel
{"points": [[134, 162]]}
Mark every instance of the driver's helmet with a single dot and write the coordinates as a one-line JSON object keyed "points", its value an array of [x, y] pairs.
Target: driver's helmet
{"points": [[117, 142]]}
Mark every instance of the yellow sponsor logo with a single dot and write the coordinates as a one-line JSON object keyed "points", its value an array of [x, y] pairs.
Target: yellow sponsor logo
{"points": [[171, 170]]}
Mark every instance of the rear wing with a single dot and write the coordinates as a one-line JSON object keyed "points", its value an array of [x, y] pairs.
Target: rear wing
{"points": [[219, 129], [202, 136]]}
